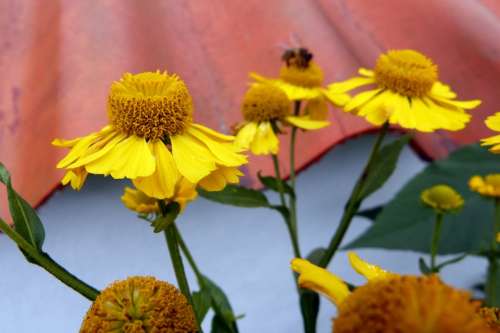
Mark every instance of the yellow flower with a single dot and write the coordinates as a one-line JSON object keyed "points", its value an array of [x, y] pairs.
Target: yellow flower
{"points": [[151, 139], [302, 80], [139, 202], [493, 123], [492, 317], [140, 304], [442, 198], [488, 186], [391, 303], [406, 91], [265, 107]]}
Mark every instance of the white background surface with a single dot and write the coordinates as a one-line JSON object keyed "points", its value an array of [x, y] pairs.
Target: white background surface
{"points": [[245, 251]]}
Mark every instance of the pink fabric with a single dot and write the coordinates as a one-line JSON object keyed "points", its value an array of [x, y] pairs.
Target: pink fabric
{"points": [[58, 58]]}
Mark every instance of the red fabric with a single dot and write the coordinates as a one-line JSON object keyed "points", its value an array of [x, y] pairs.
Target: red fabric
{"points": [[58, 58]]}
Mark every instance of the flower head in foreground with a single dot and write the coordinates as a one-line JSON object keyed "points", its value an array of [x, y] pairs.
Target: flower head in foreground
{"points": [[139, 202], [140, 304], [493, 123], [152, 139], [265, 108], [442, 198], [488, 186], [492, 317], [302, 80], [405, 90], [391, 303]]}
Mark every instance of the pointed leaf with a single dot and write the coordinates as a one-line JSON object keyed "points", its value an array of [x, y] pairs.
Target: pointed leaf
{"points": [[218, 325], [422, 265], [236, 196], [220, 304], [272, 183], [201, 303], [371, 213]]}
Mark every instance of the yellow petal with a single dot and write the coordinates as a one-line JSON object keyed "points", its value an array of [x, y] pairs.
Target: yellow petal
{"points": [[161, 184], [377, 110], [99, 148], [218, 179], [139, 202], [306, 123], [366, 72], [265, 141], [214, 134], [458, 104], [78, 150], [75, 177], [186, 191], [293, 92], [320, 280], [131, 158], [317, 109], [442, 90], [225, 152], [336, 98], [245, 135], [192, 158], [493, 122], [369, 271], [347, 85], [361, 98]]}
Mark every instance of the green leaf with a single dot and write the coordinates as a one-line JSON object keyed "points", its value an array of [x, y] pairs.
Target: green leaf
{"points": [[283, 211], [237, 196], [166, 218], [218, 325], [272, 183], [371, 213], [26, 221], [406, 224], [383, 166], [220, 304], [309, 301], [492, 288], [451, 261], [424, 269], [201, 304]]}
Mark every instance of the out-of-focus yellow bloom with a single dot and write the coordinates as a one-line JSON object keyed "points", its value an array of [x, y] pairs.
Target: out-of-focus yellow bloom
{"points": [[140, 304], [151, 139], [488, 186], [265, 108], [302, 80], [492, 317], [493, 123], [391, 303], [442, 198], [406, 91]]}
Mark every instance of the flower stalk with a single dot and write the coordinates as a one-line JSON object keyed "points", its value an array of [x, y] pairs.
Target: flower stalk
{"points": [[354, 201], [492, 287], [435, 241], [293, 199]]}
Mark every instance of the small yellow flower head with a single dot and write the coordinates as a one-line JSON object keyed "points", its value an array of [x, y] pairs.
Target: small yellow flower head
{"points": [[265, 102], [139, 202], [300, 70], [407, 72], [140, 304], [442, 198], [493, 123], [151, 105], [408, 304], [492, 317], [488, 186]]}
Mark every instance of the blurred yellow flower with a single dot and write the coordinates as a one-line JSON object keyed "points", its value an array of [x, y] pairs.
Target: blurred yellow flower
{"points": [[406, 91], [265, 108], [493, 123], [442, 198], [488, 186], [492, 317], [392, 303], [151, 139], [140, 304], [302, 80]]}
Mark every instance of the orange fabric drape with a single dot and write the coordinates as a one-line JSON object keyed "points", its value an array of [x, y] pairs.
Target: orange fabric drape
{"points": [[58, 58]]}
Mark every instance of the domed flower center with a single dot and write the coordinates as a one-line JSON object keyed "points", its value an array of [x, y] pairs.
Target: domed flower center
{"points": [[140, 304], [406, 72], [151, 105], [442, 198], [408, 304], [300, 70], [264, 102]]}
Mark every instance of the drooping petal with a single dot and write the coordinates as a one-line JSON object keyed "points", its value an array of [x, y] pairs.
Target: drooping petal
{"points": [[246, 134], [493, 122], [265, 141], [377, 110], [336, 98], [161, 184], [218, 179], [320, 280], [139, 202], [493, 141], [225, 152], [442, 90], [467, 105], [99, 149], [350, 84], [369, 271], [361, 98], [212, 133], [192, 158], [366, 72], [75, 177], [305, 122], [293, 92], [186, 191], [130, 158]]}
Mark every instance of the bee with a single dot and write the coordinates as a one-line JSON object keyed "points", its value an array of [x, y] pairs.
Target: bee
{"points": [[299, 57]]}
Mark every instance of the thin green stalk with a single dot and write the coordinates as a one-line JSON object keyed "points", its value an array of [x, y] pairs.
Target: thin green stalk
{"points": [[435, 241], [293, 238], [50, 265], [175, 256], [354, 201], [491, 287], [293, 199], [189, 257]]}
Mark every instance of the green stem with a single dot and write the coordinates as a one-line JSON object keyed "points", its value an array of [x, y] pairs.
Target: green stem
{"points": [[293, 199], [175, 255], [436, 233], [189, 257], [354, 201], [293, 238], [491, 287], [47, 263]]}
